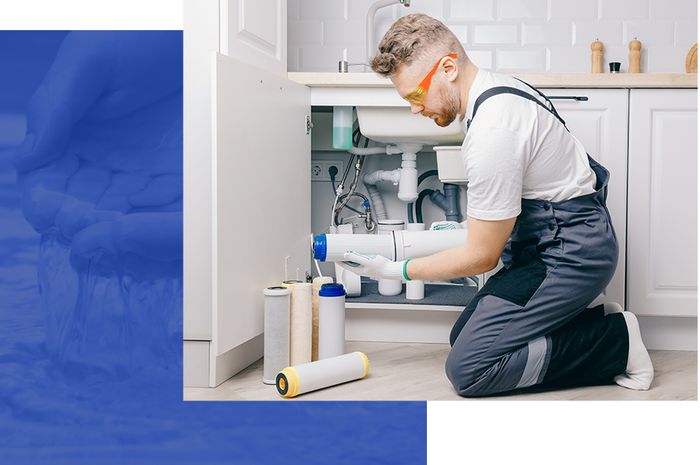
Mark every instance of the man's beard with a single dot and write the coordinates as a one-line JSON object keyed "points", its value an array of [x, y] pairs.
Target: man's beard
{"points": [[449, 112]]}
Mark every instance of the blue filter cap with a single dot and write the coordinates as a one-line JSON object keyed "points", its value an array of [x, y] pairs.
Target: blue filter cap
{"points": [[331, 290], [320, 247]]}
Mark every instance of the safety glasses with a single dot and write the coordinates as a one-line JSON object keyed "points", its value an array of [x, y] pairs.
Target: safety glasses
{"points": [[417, 95]]}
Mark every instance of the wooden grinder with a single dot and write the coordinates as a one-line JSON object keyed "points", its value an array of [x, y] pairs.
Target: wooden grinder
{"points": [[635, 50], [597, 56]]}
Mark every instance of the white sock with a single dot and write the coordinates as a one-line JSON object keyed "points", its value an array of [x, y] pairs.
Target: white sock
{"points": [[612, 307], [639, 372]]}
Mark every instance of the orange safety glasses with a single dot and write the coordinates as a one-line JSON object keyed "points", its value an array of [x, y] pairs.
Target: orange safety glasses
{"points": [[417, 95]]}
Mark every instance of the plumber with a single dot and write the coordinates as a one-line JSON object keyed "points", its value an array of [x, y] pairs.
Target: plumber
{"points": [[535, 200]]}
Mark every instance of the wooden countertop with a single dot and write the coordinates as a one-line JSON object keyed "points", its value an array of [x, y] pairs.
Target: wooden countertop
{"points": [[544, 80]]}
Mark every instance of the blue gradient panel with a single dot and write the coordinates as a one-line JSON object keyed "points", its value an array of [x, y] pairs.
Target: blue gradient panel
{"points": [[91, 277]]}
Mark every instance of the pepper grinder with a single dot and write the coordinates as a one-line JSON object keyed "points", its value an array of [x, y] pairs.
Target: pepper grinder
{"points": [[635, 47], [597, 56]]}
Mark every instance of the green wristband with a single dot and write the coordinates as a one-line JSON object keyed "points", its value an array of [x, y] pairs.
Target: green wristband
{"points": [[405, 275]]}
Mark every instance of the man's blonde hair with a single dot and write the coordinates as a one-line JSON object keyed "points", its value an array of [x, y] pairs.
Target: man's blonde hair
{"points": [[414, 37]]}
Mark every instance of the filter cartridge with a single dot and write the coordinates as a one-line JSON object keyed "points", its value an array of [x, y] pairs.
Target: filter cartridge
{"points": [[316, 287], [308, 377], [276, 326], [331, 321], [300, 323]]}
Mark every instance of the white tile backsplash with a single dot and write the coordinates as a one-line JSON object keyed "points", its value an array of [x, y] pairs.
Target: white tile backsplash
{"points": [[521, 9], [460, 30], [673, 9], [521, 60], [616, 9], [573, 9], [335, 32], [667, 59], [306, 32], [470, 10], [495, 34], [505, 35], [686, 33], [648, 33], [481, 58], [322, 9], [555, 33], [608, 32]]}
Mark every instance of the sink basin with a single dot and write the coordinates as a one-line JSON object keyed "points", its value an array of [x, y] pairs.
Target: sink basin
{"points": [[394, 125]]}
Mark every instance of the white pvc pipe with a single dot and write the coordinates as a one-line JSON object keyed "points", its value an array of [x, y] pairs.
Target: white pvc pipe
{"points": [[368, 150]]}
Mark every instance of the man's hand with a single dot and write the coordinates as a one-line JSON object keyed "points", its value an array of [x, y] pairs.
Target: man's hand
{"points": [[374, 266]]}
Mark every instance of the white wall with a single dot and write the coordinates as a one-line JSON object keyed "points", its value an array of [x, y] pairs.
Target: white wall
{"points": [[505, 35]]}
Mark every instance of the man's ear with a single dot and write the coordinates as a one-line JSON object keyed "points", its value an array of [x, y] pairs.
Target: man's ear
{"points": [[450, 68]]}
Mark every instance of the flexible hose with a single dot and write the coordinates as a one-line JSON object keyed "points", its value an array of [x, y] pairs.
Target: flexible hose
{"points": [[419, 203], [377, 201]]}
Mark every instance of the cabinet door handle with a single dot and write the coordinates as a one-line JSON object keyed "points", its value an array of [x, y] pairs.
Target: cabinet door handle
{"points": [[582, 98]]}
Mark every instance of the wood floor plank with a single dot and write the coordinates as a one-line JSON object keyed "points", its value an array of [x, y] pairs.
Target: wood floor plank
{"points": [[403, 371]]}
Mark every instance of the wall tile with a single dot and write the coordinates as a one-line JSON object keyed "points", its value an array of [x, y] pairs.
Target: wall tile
{"points": [[673, 9], [666, 59], [556, 34], [460, 30], [572, 9], [483, 34], [521, 9], [686, 33], [341, 32], [608, 32], [318, 58], [521, 60], [648, 32], [553, 33], [481, 58], [470, 10], [569, 59], [624, 9], [322, 9], [304, 32], [434, 8]]}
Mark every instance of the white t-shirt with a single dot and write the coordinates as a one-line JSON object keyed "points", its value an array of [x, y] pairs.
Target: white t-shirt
{"points": [[515, 149]]}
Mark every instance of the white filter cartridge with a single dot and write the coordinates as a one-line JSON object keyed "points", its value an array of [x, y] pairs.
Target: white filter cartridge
{"points": [[276, 326], [308, 377], [300, 323], [316, 286], [399, 245], [331, 321]]}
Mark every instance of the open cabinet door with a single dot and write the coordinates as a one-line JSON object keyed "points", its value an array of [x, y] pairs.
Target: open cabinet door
{"points": [[262, 202]]}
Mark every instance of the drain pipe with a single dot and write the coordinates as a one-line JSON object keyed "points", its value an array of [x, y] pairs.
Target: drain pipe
{"points": [[449, 202]]}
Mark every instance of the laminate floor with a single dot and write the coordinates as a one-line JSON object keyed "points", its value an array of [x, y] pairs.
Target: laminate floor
{"points": [[402, 371]]}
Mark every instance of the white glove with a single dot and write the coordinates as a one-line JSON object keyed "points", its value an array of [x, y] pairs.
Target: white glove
{"points": [[374, 266]]}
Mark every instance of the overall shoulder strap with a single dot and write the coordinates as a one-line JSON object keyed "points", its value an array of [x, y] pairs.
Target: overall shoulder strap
{"points": [[512, 90]]}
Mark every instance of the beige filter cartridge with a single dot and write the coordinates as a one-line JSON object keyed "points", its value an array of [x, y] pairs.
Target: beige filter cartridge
{"points": [[316, 286], [276, 327], [300, 324], [312, 376]]}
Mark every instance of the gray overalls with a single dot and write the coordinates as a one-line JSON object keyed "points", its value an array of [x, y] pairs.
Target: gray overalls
{"points": [[529, 325]]}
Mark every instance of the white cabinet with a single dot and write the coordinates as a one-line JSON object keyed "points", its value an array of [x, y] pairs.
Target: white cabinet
{"points": [[600, 123], [662, 217], [245, 133]]}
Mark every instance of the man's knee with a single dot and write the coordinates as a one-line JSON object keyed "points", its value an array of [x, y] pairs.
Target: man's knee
{"points": [[459, 367]]}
